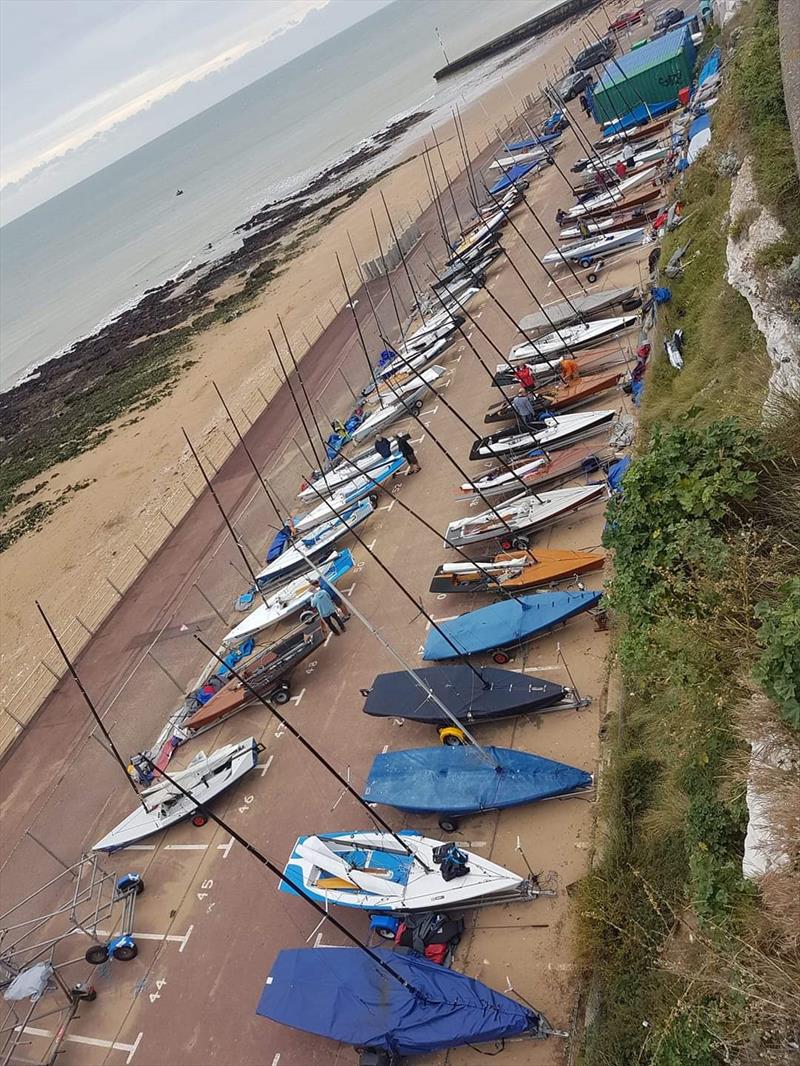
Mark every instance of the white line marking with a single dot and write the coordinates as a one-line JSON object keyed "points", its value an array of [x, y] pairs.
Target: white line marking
{"points": [[186, 936], [538, 669], [226, 848], [135, 1045], [318, 940], [419, 440], [449, 618], [384, 749], [263, 767], [282, 728], [371, 547], [432, 412], [185, 847], [296, 699], [141, 847], [168, 938], [92, 1041], [348, 592], [277, 1059], [325, 645], [388, 506], [459, 358]]}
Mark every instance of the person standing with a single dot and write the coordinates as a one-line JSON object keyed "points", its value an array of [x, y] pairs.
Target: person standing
{"points": [[570, 369], [524, 410], [524, 376], [326, 609], [408, 453], [338, 602]]}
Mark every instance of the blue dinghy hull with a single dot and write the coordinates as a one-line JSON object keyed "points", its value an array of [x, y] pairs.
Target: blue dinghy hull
{"points": [[460, 781], [344, 995], [505, 624]]}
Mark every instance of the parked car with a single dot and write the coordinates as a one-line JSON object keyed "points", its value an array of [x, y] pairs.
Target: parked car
{"points": [[668, 18], [626, 19], [594, 54], [569, 87]]}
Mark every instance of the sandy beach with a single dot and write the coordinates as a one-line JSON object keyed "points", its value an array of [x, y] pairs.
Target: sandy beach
{"points": [[135, 473]]}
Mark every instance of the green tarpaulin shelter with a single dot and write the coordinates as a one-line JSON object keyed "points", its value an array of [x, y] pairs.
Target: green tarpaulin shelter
{"points": [[652, 74]]}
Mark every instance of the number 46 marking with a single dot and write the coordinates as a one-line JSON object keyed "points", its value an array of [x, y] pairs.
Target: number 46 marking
{"points": [[247, 801]]}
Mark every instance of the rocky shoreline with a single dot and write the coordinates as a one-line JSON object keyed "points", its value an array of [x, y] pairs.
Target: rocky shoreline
{"points": [[62, 408]]}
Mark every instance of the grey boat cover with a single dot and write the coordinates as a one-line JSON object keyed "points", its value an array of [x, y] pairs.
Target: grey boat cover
{"points": [[562, 313]]}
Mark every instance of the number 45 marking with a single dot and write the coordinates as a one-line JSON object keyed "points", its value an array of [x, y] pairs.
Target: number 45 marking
{"points": [[205, 886]]}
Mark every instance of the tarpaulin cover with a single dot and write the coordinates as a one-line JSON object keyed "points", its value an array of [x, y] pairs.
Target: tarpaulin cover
{"points": [[513, 174], [617, 472], [699, 124], [638, 115], [341, 993], [235, 656], [280, 542], [533, 142], [501, 694], [460, 780], [505, 623], [710, 67]]}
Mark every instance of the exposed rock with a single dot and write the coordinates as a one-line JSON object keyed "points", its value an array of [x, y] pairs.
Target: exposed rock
{"points": [[781, 328], [727, 164]]}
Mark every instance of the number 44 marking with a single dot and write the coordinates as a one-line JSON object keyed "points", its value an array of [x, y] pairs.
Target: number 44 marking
{"points": [[159, 985]]}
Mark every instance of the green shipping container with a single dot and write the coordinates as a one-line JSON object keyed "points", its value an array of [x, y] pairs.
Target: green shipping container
{"points": [[652, 74]]}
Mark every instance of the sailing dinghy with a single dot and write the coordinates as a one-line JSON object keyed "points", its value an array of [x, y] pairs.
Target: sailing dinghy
{"points": [[455, 781], [370, 870], [563, 397], [551, 433], [382, 417], [505, 624], [521, 516], [205, 777], [313, 544], [344, 995], [351, 492], [617, 195], [368, 461], [585, 252], [503, 694], [537, 471], [515, 571], [568, 338], [289, 599]]}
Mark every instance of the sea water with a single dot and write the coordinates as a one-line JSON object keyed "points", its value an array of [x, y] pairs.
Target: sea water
{"points": [[76, 261]]}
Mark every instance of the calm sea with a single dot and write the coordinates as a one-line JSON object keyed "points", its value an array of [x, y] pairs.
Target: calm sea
{"points": [[77, 260]]}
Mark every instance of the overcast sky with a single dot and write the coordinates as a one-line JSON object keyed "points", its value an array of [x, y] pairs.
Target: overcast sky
{"points": [[84, 82]]}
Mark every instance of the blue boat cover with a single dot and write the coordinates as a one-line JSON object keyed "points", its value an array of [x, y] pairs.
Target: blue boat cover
{"points": [[710, 67], [699, 124], [341, 993], [617, 472], [533, 142], [460, 780], [280, 542], [506, 623], [638, 115], [513, 174]]}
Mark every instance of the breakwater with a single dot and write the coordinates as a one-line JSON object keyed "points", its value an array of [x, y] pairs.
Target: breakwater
{"points": [[555, 15]]}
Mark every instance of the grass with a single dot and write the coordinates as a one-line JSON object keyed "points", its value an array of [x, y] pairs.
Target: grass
{"points": [[689, 963]]}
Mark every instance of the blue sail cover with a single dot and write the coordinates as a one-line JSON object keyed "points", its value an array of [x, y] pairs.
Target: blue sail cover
{"points": [[533, 142], [513, 174], [341, 993], [459, 780], [638, 115], [506, 623]]}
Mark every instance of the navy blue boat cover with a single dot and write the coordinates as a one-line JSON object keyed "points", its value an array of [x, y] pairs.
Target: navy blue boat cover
{"points": [[459, 780], [513, 174], [341, 993], [505, 623]]}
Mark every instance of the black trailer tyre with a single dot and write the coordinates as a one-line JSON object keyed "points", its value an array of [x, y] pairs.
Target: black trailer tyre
{"points": [[501, 657], [592, 276], [448, 824], [199, 818], [139, 887], [385, 934], [520, 543], [281, 696], [418, 406], [307, 616], [126, 952], [97, 954], [373, 499]]}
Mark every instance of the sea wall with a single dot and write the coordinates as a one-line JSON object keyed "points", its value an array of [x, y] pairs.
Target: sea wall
{"points": [[520, 33]]}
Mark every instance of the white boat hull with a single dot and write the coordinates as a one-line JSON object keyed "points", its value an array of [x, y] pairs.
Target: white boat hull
{"points": [[619, 192], [602, 245], [522, 513], [206, 777], [569, 338]]}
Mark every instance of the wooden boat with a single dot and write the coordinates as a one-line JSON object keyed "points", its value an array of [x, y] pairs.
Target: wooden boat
{"points": [[267, 673], [635, 133], [637, 200], [615, 220], [521, 516], [536, 472], [515, 571], [560, 398], [610, 198], [590, 360]]}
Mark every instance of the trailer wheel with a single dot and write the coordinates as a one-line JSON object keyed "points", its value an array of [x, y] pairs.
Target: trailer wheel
{"points": [[591, 277], [506, 544], [126, 952], [97, 954], [501, 657], [520, 543], [199, 819], [373, 499], [447, 824], [82, 994], [307, 616], [550, 160], [417, 407], [139, 888], [281, 696], [585, 261], [365, 692], [451, 736], [384, 934]]}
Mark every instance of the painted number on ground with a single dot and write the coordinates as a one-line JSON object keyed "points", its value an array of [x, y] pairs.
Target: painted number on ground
{"points": [[205, 886], [159, 985]]}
